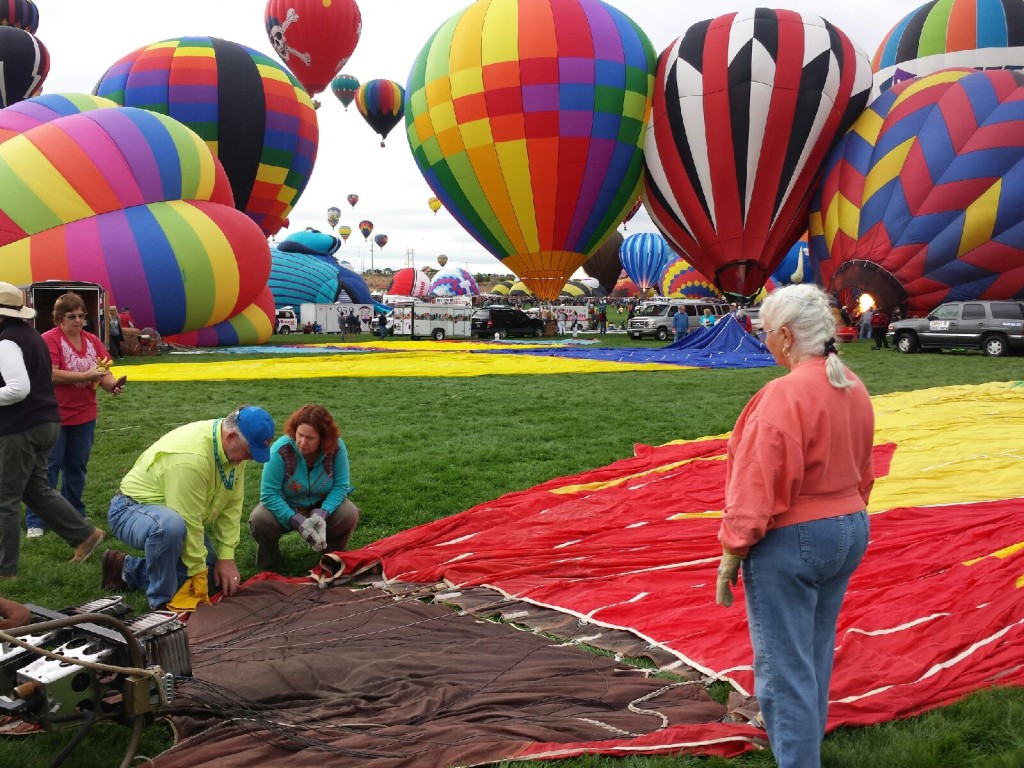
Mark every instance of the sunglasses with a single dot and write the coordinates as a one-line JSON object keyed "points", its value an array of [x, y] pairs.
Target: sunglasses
{"points": [[75, 315]]}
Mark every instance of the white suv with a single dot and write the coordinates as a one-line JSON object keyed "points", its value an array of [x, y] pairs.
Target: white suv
{"points": [[654, 318]]}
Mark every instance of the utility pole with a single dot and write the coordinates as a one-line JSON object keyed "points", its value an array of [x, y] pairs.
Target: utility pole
{"points": [[410, 257]]}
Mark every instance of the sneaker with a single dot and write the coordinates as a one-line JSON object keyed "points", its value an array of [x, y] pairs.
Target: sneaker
{"points": [[85, 548], [34, 533]]}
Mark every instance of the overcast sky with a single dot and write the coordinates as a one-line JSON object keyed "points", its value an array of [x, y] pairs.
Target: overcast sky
{"points": [[84, 37]]}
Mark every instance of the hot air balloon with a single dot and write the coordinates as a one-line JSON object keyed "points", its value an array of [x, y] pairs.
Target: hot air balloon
{"points": [[679, 280], [352, 200], [153, 220], [344, 87], [267, 139], [644, 256], [537, 176], [605, 265], [454, 282], [442, 260], [923, 200], [381, 103], [632, 212], [314, 38], [365, 229], [24, 64], [795, 266], [22, 14], [576, 289], [626, 287], [333, 216], [949, 34], [344, 231], [746, 107], [434, 204], [409, 282], [502, 287], [380, 240]]}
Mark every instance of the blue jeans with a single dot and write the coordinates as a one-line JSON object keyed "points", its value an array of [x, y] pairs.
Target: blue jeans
{"points": [[158, 531], [794, 580], [68, 461]]}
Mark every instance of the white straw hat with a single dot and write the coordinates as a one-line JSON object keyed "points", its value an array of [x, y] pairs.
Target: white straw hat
{"points": [[12, 303]]}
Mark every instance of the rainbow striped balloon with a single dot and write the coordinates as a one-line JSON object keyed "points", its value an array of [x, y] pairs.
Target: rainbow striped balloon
{"points": [[132, 200], [527, 118], [250, 110]]}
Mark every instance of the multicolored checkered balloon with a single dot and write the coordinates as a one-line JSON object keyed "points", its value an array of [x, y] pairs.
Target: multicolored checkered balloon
{"points": [[527, 118]]}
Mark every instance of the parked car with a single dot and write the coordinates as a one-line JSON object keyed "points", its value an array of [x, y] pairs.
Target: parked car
{"points": [[654, 318], [502, 321], [994, 327], [287, 321]]}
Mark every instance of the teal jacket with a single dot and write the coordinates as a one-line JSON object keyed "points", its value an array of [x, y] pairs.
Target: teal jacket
{"points": [[289, 485]]}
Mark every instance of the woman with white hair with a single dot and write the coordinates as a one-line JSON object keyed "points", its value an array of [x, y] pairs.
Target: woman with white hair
{"points": [[798, 479]]}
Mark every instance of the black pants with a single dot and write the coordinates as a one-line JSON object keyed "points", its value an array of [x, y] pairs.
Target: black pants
{"points": [[878, 334], [115, 345]]}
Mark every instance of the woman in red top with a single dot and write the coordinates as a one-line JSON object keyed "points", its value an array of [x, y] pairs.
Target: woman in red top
{"points": [[798, 478], [75, 355]]}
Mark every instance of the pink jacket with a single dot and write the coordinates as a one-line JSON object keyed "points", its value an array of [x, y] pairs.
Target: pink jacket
{"points": [[801, 450]]}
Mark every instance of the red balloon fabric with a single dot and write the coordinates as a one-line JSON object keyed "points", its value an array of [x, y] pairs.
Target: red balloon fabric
{"points": [[313, 38]]}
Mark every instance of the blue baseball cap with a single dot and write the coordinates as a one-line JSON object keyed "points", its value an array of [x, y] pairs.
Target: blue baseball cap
{"points": [[257, 427]]}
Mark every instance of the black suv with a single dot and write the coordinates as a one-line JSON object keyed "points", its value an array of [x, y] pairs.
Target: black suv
{"points": [[995, 327], [504, 322]]}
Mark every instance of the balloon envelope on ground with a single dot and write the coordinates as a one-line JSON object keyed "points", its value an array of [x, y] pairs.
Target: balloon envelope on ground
{"points": [[409, 282], [454, 282]]}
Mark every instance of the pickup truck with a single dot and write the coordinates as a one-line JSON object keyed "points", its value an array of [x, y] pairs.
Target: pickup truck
{"points": [[994, 327]]}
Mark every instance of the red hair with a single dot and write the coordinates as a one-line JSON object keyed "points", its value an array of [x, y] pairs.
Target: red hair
{"points": [[320, 419]]}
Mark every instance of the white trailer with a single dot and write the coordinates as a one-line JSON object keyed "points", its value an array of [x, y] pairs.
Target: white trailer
{"points": [[436, 321], [330, 316]]}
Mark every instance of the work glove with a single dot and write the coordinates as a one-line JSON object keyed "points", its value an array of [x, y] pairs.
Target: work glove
{"points": [[193, 592], [728, 574], [319, 513], [312, 529]]}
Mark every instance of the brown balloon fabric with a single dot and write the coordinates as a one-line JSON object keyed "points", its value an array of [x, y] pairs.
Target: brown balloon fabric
{"points": [[287, 674]]}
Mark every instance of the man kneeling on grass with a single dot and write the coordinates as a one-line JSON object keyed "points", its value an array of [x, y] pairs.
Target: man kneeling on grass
{"points": [[181, 504]]}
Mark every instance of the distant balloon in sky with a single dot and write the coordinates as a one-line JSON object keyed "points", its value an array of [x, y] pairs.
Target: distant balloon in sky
{"points": [[24, 64], [314, 38], [382, 105], [248, 109], [922, 201], [527, 118], [333, 216], [380, 240], [344, 88], [953, 33], [746, 108], [22, 14], [366, 228], [352, 200], [344, 231], [434, 204], [132, 200], [442, 260]]}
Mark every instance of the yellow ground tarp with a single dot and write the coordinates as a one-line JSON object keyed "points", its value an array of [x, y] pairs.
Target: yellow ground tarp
{"points": [[412, 363]]}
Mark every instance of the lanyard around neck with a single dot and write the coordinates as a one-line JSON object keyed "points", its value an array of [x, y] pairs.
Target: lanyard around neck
{"points": [[229, 479]]}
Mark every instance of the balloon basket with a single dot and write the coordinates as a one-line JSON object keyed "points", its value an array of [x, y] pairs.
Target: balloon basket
{"points": [[846, 335]]}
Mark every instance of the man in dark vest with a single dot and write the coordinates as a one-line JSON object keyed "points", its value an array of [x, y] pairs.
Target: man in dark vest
{"points": [[29, 426]]}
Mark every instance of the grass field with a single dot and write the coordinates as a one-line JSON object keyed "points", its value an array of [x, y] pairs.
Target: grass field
{"points": [[424, 448]]}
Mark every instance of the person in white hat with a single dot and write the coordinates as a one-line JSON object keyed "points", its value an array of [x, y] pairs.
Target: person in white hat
{"points": [[29, 426]]}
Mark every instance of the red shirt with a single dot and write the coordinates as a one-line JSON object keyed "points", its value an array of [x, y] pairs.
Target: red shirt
{"points": [[77, 401], [126, 320], [801, 450]]}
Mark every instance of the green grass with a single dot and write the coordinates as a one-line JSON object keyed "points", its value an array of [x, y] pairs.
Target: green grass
{"points": [[425, 448]]}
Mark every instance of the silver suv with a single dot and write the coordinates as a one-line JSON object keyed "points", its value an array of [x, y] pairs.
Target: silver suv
{"points": [[654, 318], [994, 327]]}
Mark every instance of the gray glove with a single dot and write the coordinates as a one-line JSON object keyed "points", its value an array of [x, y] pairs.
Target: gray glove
{"points": [[312, 529], [728, 574]]}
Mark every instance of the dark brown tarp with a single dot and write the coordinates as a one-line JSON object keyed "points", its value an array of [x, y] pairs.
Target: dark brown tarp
{"points": [[288, 674]]}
